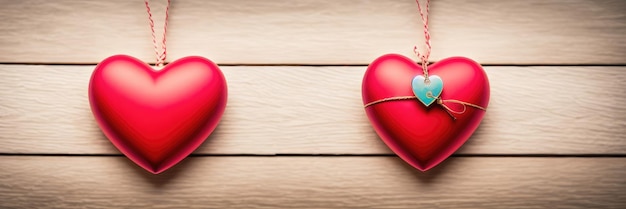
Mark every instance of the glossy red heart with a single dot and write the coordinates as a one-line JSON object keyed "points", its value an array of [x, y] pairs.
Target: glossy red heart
{"points": [[424, 136], [157, 118]]}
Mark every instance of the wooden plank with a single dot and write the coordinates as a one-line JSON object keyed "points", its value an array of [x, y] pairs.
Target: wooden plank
{"points": [[313, 182], [534, 110], [317, 31]]}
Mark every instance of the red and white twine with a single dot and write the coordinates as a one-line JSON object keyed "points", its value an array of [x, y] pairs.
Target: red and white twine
{"points": [[424, 57], [160, 56]]}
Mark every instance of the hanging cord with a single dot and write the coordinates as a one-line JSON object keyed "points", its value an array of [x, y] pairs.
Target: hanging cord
{"points": [[424, 57], [160, 56]]}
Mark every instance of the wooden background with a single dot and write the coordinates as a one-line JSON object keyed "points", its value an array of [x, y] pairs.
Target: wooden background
{"points": [[294, 134]]}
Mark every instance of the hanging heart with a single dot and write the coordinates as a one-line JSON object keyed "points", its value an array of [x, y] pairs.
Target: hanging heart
{"points": [[424, 136], [157, 118]]}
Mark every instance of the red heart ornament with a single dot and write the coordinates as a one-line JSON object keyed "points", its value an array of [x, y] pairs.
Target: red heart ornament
{"points": [[157, 118], [424, 136]]}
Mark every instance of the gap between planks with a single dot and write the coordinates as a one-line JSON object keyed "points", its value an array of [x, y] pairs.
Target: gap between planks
{"points": [[338, 65], [331, 155]]}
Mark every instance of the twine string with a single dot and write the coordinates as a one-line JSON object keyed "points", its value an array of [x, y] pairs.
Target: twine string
{"points": [[439, 101], [424, 57], [389, 100], [160, 56]]}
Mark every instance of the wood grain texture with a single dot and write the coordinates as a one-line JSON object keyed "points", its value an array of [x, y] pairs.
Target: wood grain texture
{"points": [[313, 182], [574, 110], [318, 110], [317, 31]]}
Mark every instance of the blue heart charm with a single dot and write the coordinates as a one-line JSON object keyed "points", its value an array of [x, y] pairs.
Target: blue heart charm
{"points": [[427, 92]]}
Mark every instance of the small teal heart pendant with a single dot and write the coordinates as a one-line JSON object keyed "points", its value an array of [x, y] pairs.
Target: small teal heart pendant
{"points": [[427, 91]]}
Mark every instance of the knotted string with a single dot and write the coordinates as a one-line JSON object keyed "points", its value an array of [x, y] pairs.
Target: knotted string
{"points": [[424, 60], [160, 56], [462, 103]]}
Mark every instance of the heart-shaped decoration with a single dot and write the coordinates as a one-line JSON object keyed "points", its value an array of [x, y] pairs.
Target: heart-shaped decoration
{"points": [[157, 118], [423, 135], [427, 91]]}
